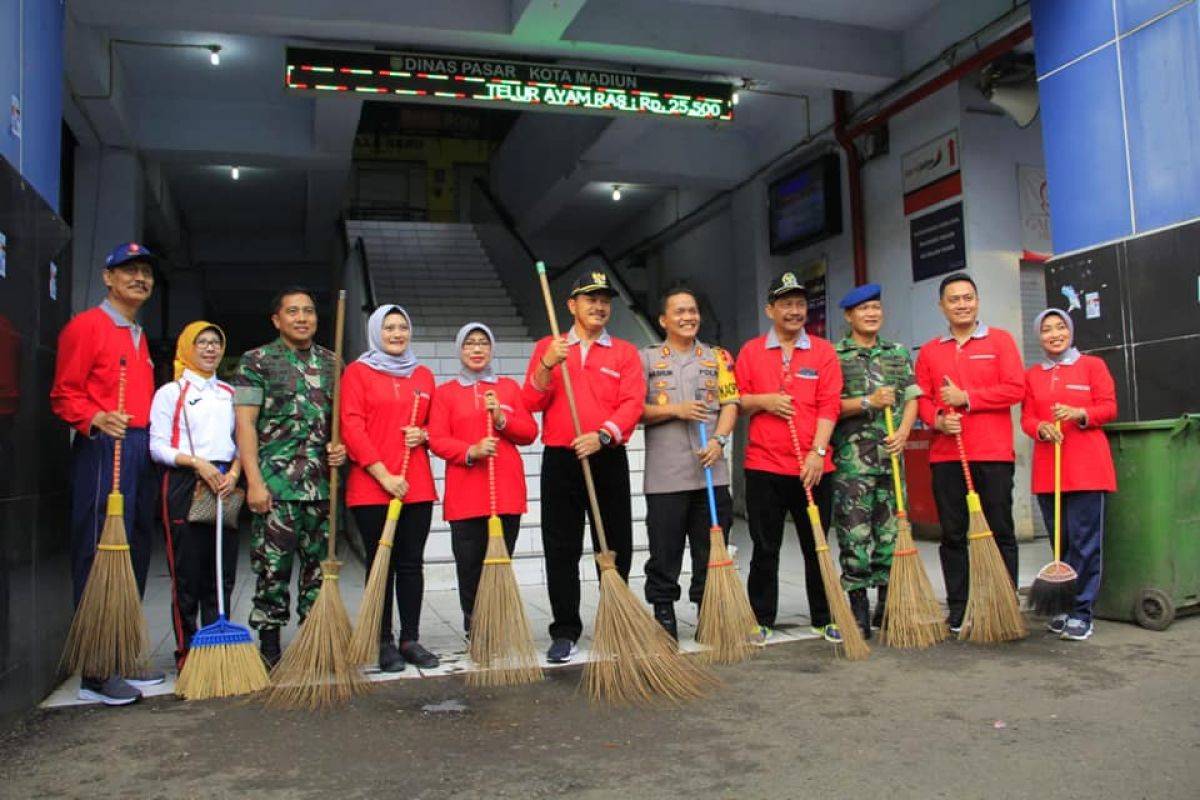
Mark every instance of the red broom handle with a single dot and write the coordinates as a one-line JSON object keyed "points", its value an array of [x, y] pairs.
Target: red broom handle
{"points": [[799, 453], [966, 465], [412, 421], [491, 468], [117, 443]]}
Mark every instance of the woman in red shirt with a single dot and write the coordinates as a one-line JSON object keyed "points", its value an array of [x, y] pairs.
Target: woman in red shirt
{"points": [[1076, 391], [379, 391], [458, 433]]}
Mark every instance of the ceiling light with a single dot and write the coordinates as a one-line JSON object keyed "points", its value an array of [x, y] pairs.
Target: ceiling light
{"points": [[235, 173], [735, 97], [616, 195], [214, 54]]}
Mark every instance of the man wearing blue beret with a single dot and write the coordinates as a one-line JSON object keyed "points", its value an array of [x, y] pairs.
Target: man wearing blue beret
{"points": [[875, 373]]}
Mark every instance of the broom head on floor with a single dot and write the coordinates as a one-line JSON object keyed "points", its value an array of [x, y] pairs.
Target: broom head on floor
{"points": [[633, 660], [222, 661], [314, 671], [853, 644], [501, 640], [364, 641], [727, 623], [993, 613], [912, 617], [108, 635], [1053, 590]]}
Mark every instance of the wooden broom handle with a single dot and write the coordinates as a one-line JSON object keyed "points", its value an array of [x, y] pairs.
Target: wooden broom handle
{"points": [[116, 488], [336, 438], [891, 429], [566, 376]]}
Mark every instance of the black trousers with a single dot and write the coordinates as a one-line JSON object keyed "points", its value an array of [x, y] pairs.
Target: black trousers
{"points": [[770, 497], [564, 504], [673, 519], [468, 540], [192, 559], [994, 484], [91, 482], [406, 578]]}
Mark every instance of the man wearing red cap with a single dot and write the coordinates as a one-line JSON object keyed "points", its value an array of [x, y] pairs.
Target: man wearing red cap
{"points": [[84, 395]]}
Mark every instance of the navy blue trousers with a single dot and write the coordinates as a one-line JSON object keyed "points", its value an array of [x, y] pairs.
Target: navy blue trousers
{"points": [[91, 483], [1082, 542]]}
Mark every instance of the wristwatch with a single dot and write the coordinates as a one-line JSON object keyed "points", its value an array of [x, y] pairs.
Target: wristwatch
{"points": [[720, 438], [605, 437], [821, 451], [866, 403]]}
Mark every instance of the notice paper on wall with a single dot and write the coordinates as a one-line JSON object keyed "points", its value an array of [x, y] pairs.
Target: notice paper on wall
{"points": [[1092, 305], [14, 116]]}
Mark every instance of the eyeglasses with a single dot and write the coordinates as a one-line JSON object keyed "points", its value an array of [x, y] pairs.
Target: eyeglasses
{"points": [[209, 343], [470, 344]]}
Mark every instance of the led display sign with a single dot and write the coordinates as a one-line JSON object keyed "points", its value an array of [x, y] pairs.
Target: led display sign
{"points": [[467, 79]]}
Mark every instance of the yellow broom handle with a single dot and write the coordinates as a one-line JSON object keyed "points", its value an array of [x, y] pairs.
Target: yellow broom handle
{"points": [[891, 429], [566, 376], [1057, 494], [336, 438]]}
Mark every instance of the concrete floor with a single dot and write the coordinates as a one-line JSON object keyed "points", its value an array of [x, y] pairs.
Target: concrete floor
{"points": [[1115, 717]]}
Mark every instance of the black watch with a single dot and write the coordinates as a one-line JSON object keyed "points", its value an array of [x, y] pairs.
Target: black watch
{"points": [[605, 437]]}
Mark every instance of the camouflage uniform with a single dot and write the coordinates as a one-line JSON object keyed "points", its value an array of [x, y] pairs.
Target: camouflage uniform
{"points": [[295, 396], [864, 502]]}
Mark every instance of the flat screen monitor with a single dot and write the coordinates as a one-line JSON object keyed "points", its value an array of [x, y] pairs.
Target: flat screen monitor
{"points": [[806, 204]]}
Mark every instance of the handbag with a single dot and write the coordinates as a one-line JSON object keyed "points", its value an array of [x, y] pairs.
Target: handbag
{"points": [[204, 501]]}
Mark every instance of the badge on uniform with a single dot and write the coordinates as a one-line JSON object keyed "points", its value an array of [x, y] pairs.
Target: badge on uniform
{"points": [[662, 365], [806, 372], [660, 384], [661, 399]]}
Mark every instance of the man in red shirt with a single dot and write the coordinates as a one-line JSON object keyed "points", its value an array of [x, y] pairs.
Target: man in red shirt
{"points": [[788, 380], [970, 378], [84, 395], [606, 375]]}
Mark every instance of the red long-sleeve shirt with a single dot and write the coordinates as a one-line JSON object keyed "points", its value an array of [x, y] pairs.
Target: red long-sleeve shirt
{"points": [[609, 391], [988, 368], [459, 420], [1087, 463], [87, 372], [376, 408], [814, 381]]}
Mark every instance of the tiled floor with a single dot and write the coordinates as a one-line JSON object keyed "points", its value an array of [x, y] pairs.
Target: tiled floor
{"points": [[441, 622]]}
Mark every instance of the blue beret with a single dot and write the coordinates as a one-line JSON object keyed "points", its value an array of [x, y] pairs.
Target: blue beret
{"points": [[861, 294]]}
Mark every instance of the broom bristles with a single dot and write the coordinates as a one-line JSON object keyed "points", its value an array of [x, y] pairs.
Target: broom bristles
{"points": [[912, 616], [109, 635], [224, 670], [993, 613], [853, 644], [727, 621], [1053, 591], [314, 671], [634, 661], [501, 639], [363, 648]]}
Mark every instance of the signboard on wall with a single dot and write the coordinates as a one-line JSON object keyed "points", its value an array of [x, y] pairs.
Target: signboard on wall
{"points": [[1034, 204], [459, 79], [938, 242], [931, 174], [813, 278]]}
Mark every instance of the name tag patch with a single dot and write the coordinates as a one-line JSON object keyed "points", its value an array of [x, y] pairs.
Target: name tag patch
{"points": [[982, 355], [612, 373], [1080, 387], [808, 374]]}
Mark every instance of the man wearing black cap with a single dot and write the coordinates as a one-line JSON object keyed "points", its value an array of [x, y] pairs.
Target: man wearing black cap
{"points": [[84, 395], [874, 372], [791, 384], [606, 376]]}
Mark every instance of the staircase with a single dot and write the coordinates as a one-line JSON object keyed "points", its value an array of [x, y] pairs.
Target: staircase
{"points": [[440, 274]]}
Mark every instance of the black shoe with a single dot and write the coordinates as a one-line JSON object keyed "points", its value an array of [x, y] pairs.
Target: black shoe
{"points": [[418, 656], [862, 611], [268, 646], [880, 603], [390, 659], [664, 613], [467, 625]]}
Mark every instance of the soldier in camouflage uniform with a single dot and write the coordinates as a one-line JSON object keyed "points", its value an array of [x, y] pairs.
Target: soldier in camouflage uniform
{"points": [[283, 400], [875, 374]]}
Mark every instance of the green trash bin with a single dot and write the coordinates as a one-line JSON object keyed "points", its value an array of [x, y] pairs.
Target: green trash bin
{"points": [[1152, 523]]}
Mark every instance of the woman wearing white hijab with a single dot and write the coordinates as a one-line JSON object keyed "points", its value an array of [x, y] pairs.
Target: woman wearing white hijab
{"points": [[1076, 392], [379, 391], [458, 433]]}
